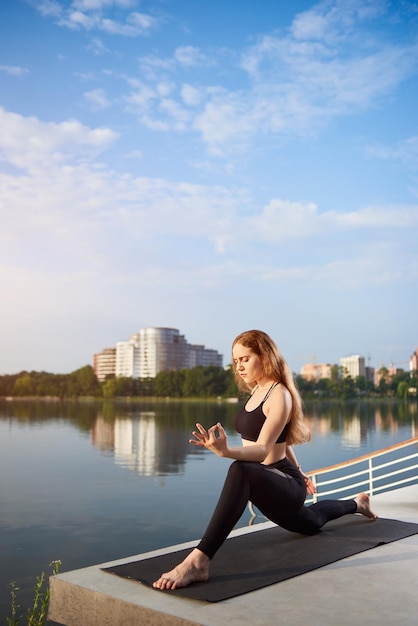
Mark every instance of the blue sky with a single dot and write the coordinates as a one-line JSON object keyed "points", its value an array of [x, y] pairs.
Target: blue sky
{"points": [[212, 167]]}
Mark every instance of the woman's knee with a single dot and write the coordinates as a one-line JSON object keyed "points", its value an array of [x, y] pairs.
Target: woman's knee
{"points": [[239, 470]]}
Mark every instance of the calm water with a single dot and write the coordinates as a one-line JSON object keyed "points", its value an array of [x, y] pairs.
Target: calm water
{"points": [[88, 483]]}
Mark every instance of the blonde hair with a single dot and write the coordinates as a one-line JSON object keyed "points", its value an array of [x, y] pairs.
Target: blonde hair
{"points": [[274, 366]]}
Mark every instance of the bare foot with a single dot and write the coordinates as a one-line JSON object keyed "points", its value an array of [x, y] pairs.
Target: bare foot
{"points": [[363, 506], [194, 568]]}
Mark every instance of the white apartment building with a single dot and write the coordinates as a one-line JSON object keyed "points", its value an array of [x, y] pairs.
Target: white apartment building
{"points": [[161, 349], [156, 349], [128, 358], [353, 366], [104, 363]]}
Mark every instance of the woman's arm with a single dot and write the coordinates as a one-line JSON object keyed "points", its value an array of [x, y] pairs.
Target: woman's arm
{"points": [[277, 409], [215, 440]]}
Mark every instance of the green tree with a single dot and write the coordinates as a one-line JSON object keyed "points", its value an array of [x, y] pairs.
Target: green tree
{"points": [[193, 383], [24, 385], [214, 381], [85, 381], [169, 383], [384, 380], [402, 390], [109, 388]]}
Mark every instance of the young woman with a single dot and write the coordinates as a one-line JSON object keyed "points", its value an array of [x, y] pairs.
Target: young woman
{"points": [[265, 470]]}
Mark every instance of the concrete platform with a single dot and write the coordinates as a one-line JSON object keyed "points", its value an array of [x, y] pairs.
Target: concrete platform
{"points": [[378, 586]]}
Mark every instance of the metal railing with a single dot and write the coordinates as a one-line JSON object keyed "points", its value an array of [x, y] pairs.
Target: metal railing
{"points": [[383, 470], [368, 473]]}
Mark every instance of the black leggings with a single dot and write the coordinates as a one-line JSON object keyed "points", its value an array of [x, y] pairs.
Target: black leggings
{"points": [[279, 492]]}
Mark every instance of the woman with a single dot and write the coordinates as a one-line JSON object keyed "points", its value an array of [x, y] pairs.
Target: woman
{"points": [[265, 469]]}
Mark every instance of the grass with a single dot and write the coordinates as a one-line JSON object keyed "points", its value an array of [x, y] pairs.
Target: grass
{"points": [[38, 613]]}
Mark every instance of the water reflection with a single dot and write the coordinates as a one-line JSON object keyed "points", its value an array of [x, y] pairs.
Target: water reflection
{"points": [[356, 423], [151, 439], [140, 445]]}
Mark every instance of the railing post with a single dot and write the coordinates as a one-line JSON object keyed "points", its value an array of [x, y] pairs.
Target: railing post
{"points": [[370, 476], [315, 495]]}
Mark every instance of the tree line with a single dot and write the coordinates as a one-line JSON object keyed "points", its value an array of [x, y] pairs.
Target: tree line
{"points": [[197, 382]]}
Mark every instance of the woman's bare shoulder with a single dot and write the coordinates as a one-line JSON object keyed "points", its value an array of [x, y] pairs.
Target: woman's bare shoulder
{"points": [[280, 394]]}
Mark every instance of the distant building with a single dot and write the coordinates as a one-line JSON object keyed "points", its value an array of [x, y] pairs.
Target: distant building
{"points": [[413, 361], [156, 349], [161, 349], [315, 371], [128, 358], [386, 373], [104, 363], [353, 366], [199, 355], [370, 373]]}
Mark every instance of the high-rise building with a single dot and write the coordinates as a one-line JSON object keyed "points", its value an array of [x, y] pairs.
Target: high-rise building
{"points": [[127, 357], [155, 349], [104, 363], [161, 349], [353, 366]]}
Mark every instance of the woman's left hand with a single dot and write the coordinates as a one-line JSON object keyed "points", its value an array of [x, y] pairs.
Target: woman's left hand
{"points": [[213, 439]]}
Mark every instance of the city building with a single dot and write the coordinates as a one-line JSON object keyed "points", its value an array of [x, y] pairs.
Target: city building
{"points": [[104, 363], [353, 366], [128, 358], [161, 349], [199, 355], [386, 373], [152, 350], [315, 371]]}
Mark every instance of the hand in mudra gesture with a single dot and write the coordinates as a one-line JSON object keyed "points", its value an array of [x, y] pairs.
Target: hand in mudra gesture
{"points": [[213, 439]]}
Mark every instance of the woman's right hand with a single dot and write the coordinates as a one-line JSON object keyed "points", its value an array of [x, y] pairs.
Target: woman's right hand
{"points": [[213, 439], [310, 487]]}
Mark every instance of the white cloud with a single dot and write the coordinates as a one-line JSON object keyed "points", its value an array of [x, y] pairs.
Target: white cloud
{"points": [[97, 47], [331, 21], [78, 18], [92, 14], [179, 115], [97, 98], [29, 143], [191, 95], [189, 56], [405, 151], [326, 65], [225, 121], [136, 24], [86, 216], [14, 70], [97, 5], [282, 220], [49, 8], [141, 98]]}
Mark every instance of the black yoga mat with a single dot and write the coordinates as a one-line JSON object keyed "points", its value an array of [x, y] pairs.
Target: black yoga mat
{"points": [[265, 557]]}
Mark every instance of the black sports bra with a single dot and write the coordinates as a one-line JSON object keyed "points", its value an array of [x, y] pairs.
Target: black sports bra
{"points": [[249, 423]]}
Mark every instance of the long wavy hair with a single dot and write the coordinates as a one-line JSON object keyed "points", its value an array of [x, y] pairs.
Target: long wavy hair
{"points": [[275, 367]]}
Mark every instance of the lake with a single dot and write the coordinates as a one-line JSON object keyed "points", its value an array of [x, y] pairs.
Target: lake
{"points": [[87, 482]]}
